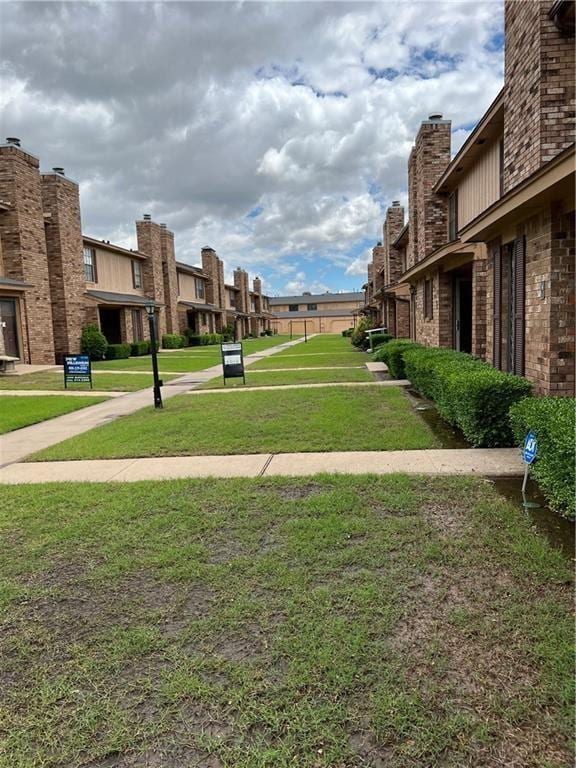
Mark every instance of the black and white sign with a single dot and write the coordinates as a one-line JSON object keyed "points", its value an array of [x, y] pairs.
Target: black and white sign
{"points": [[232, 361], [77, 370]]}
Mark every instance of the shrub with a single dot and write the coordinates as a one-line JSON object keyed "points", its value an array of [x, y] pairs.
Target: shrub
{"points": [[392, 354], [553, 419], [207, 339], [347, 333], [228, 332], [93, 342], [378, 339], [139, 348], [468, 393], [267, 332], [358, 335], [118, 351], [173, 341]]}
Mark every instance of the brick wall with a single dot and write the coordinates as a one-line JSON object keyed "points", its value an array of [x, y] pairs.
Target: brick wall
{"points": [[539, 102], [428, 211], [393, 225], [402, 319], [24, 249], [243, 296], [170, 279], [435, 331], [149, 236], [61, 201], [479, 312]]}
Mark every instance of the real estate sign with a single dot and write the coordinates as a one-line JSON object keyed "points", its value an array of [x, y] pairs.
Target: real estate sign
{"points": [[77, 370], [232, 361]]}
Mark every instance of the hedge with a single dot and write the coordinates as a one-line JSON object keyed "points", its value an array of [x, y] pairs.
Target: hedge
{"points": [[347, 333], [378, 339], [139, 348], [173, 341], [391, 354], [118, 351], [468, 393], [208, 339], [553, 419]]}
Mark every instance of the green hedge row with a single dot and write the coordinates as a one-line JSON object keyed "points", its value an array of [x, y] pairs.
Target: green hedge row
{"points": [[203, 340], [117, 351], [173, 341], [392, 354], [469, 393], [378, 340], [139, 348], [553, 419]]}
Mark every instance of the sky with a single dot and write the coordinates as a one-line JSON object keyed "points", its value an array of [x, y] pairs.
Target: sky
{"points": [[276, 133]]}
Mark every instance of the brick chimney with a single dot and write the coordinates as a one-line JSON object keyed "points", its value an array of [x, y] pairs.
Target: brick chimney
{"points": [[257, 285], [393, 225], [243, 297], [170, 279], [61, 204], [539, 98], [24, 246], [149, 237], [428, 211]]}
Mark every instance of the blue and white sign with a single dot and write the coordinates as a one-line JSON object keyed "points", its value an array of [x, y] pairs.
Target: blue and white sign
{"points": [[530, 448], [77, 370]]}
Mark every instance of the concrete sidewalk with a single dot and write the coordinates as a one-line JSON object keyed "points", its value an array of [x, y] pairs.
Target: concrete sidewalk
{"points": [[16, 445], [466, 461]]}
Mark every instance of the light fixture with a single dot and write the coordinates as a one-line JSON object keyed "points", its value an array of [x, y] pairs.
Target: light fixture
{"points": [[150, 307]]}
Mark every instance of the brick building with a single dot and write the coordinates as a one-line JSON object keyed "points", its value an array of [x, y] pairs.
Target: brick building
{"points": [[54, 280], [487, 256], [323, 313]]}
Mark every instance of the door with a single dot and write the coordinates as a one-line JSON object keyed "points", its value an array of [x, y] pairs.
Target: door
{"points": [[110, 325], [137, 327], [462, 314], [8, 319]]}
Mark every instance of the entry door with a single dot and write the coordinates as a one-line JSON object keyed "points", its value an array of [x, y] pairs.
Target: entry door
{"points": [[9, 327], [463, 314]]}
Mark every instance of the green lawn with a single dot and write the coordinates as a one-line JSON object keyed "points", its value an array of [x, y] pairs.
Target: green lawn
{"points": [[171, 362], [264, 378], [101, 381], [17, 412], [312, 360], [322, 343], [332, 622], [334, 419]]}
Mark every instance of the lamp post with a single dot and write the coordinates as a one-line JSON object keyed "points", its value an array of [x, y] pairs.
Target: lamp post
{"points": [[151, 312], [305, 334]]}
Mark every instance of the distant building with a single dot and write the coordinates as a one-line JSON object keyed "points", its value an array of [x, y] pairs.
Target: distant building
{"points": [[323, 313]]}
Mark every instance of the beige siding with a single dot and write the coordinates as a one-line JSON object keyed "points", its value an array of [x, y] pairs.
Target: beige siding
{"points": [[481, 185], [187, 288], [114, 273], [229, 296]]}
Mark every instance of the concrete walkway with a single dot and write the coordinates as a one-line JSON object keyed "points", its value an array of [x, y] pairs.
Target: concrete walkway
{"points": [[16, 445], [321, 385], [466, 461]]}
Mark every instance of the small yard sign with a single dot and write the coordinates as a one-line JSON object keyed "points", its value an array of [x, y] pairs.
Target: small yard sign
{"points": [[233, 361], [530, 448], [77, 370]]}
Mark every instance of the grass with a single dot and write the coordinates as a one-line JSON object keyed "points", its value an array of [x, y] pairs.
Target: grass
{"points": [[321, 343], [17, 412], [103, 382], [311, 360], [169, 362], [334, 419], [332, 622], [265, 378]]}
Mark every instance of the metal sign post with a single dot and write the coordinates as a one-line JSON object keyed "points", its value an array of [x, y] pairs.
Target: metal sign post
{"points": [[529, 454], [232, 361], [77, 370]]}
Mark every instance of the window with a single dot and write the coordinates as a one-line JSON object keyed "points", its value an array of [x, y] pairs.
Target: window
{"points": [[90, 265], [428, 300], [199, 288], [292, 307], [453, 216], [311, 307], [137, 328], [232, 298], [136, 274]]}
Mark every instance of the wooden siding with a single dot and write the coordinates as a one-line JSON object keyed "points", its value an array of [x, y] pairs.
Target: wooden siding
{"points": [[114, 273], [481, 185], [187, 288]]}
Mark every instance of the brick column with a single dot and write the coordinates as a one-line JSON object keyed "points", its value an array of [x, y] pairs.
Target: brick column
{"points": [[24, 249], [479, 306], [170, 279], [149, 235]]}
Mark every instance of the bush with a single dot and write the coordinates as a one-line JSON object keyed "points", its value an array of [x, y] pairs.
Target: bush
{"points": [[468, 393], [358, 335], [392, 354], [207, 339], [139, 348], [228, 332], [378, 339], [347, 333], [173, 341], [267, 332], [93, 342], [118, 351], [553, 419]]}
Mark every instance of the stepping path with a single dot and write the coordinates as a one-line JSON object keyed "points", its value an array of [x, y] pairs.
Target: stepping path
{"points": [[16, 445], [465, 461], [322, 385]]}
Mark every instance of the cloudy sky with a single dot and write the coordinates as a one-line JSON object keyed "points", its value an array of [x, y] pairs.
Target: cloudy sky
{"points": [[275, 132]]}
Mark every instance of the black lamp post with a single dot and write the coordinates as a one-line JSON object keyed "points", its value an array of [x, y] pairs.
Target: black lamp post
{"points": [[305, 334], [151, 312]]}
